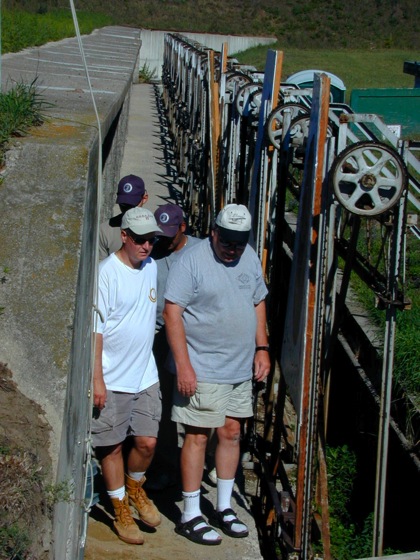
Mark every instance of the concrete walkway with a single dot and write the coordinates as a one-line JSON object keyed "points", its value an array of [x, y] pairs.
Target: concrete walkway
{"points": [[147, 150], [147, 153]]}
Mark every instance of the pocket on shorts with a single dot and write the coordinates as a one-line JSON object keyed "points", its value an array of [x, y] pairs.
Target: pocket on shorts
{"points": [[206, 397], [106, 419], [154, 402]]}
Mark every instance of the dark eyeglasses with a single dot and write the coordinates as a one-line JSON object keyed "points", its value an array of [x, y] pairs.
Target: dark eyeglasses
{"points": [[232, 244], [137, 240]]}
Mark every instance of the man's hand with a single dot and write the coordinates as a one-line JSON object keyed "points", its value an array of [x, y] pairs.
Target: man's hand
{"points": [[261, 365], [99, 388], [99, 392], [187, 382]]}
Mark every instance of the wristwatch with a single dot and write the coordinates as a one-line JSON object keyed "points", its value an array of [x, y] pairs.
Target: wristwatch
{"points": [[265, 348]]}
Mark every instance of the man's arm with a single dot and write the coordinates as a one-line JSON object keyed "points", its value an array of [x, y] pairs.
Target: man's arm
{"points": [[99, 388], [175, 333], [262, 357]]}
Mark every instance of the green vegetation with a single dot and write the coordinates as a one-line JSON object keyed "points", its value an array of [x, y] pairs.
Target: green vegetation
{"points": [[357, 68], [21, 107], [20, 485], [347, 540], [21, 29], [309, 24], [147, 74], [406, 369]]}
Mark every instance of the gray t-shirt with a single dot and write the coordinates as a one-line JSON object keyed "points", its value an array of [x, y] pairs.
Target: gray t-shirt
{"points": [[219, 317], [163, 266], [110, 237]]}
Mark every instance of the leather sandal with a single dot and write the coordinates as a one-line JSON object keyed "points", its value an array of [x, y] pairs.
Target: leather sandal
{"points": [[226, 526], [190, 531]]}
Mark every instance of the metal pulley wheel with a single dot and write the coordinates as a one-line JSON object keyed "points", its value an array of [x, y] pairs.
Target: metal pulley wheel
{"points": [[248, 99], [298, 133], [368, 178], [235, 80], [275, 120]]}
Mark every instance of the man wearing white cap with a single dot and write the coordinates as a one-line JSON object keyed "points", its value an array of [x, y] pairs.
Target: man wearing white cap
{"points": [[215, 320], [125, 380]]}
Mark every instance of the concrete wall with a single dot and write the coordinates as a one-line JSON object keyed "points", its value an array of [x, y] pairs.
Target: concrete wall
{"points": [[153, 42], [52, 203]]}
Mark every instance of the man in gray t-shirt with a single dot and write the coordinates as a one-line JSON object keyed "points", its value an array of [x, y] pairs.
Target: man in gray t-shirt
{"points": [[215, 320]]}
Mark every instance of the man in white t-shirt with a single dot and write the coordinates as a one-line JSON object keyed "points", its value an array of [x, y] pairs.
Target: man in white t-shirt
{"points": [[127, 401]]}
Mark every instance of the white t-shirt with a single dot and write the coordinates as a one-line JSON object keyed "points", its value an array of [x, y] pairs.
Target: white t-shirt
{"points": [[127, 301]]}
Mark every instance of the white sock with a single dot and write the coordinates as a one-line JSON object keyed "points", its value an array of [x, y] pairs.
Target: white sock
{"points": [[224, 495], [136, 475], [118, 493], [191, 505], [192, 509]]}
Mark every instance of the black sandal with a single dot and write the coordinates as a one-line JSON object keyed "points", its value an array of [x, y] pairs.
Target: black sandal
{"points": [[226, 526], [188, 530]]}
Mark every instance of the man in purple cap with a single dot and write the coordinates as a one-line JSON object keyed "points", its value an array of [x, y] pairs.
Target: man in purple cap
{"points": [[173, 242], [131, 193]]}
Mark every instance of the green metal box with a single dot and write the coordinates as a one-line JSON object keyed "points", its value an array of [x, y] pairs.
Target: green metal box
{"points": [[396, 106]]}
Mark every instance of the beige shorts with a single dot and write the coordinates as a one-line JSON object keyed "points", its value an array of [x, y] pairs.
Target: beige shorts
{"points": [[211, 403]]}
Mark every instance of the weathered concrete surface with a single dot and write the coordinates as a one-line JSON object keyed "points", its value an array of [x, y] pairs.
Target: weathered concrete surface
{"points": [[151, 53], [48, 236]]}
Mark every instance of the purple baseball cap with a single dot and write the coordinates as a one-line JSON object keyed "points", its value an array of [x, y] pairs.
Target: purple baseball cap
{"points": [[169, 217], [131, 190]]}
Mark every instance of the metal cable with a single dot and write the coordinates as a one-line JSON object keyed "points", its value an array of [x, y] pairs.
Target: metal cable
{"points": [[88, 471]]}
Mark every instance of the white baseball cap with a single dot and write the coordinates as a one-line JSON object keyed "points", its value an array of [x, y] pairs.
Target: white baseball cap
{"points": [[140, 221], [234, 223]]}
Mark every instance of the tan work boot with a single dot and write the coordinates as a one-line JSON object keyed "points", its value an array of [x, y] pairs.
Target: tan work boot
{"points": [[127, 529], [147, 510]]}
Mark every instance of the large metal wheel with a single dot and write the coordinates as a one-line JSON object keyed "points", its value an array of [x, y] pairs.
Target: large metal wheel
{"points": [[368, 178], [275, 120]]}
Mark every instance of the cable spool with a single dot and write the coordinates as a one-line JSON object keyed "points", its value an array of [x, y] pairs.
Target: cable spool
{"points": [[368, 178]]}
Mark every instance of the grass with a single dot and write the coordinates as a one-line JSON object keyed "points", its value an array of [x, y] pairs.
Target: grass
{"points": [[21, 29], [21, 107], [20, 481], [378, 68]]}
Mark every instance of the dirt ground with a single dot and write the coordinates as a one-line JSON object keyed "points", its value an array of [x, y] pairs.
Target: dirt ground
{"points": [[25, 468], [163, 543]]}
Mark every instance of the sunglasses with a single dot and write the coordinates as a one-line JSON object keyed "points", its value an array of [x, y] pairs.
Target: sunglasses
{"points": [[232, 244], [137, 240]]}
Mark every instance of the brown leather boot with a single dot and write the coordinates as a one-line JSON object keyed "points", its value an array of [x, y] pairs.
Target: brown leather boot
{"points": [[127, 529], [147, 510]]}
